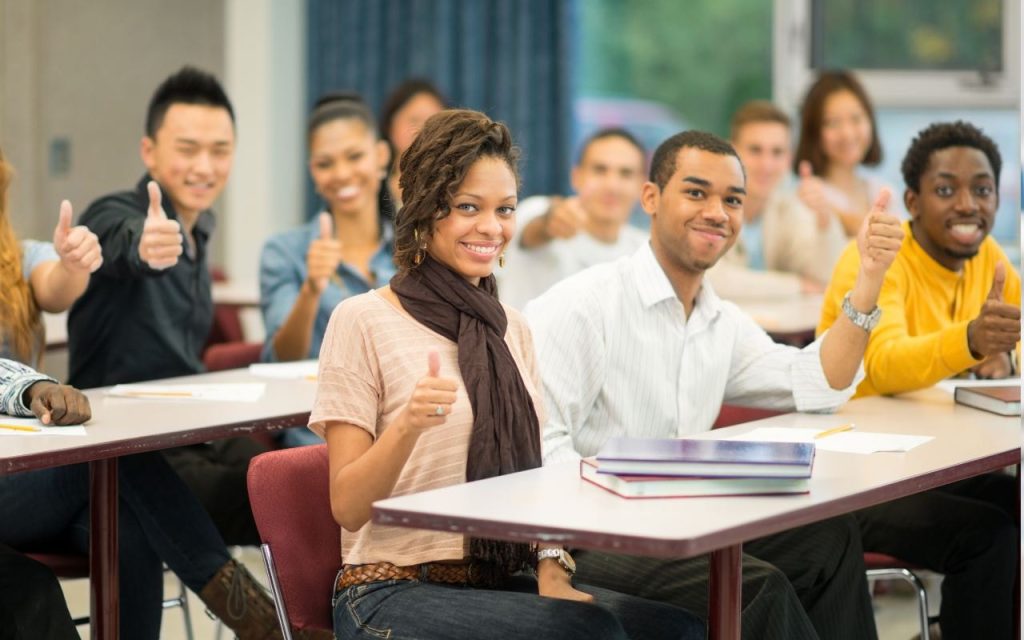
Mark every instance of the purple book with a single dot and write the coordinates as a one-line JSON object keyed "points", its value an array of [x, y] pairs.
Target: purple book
{"points": [[706, 458]]}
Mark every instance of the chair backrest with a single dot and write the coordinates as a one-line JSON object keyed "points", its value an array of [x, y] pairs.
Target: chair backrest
{"points": [[231, 355], [731, 414], [288, 490]]}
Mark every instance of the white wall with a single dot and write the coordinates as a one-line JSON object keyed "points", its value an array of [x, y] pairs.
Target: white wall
{"points": [[265, 77]]}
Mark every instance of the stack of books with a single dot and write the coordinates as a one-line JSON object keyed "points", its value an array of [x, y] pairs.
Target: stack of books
{"points": [[681, 467]]}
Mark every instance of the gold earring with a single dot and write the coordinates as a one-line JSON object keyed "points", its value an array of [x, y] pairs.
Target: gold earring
{"points": [[501, 260], [418, 258]]}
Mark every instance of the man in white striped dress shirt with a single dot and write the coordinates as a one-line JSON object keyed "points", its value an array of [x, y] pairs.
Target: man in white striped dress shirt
{"points": [[643, 347]]}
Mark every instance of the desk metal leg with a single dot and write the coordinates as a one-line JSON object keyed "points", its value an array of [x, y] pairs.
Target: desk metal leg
{"points": [[725, 593], [103, 549]]}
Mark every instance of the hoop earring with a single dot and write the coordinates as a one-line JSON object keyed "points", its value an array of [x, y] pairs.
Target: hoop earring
{"points": [[501, 260]]}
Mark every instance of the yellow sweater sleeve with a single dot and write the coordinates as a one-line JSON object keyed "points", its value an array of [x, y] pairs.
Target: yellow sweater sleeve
{"points": [[896, 361]]}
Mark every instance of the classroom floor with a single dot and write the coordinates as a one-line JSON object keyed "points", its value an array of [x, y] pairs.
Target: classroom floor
{"points": [[895, 612]]}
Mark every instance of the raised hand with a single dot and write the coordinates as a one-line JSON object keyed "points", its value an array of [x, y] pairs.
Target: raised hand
{"points": [[78, 248], [811, 191], [879, 239], [432, 399], [324, 256], [565, 218], [161, 240], [57, 404], [997, 327]]}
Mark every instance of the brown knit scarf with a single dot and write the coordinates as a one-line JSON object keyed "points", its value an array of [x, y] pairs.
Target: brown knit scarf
{"points": [[506, 432]]}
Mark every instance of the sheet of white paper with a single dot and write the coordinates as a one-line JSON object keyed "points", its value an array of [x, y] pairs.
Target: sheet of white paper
{"points": [[228, 392], [304, 370], [41, 429], [845, 442], [949, 385]]}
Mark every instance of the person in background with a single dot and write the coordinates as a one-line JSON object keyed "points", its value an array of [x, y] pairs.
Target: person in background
{"points": [[781, 252], [39, 276], [562, 236], [838, 135], [345, 250], [429, 382], [147, 311], [950, 306], [643, 347], [406, 109]]}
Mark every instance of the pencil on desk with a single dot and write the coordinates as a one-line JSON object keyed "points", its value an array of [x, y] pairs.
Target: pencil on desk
{"points": [[162, 394], [827, 432], [19, 427]]}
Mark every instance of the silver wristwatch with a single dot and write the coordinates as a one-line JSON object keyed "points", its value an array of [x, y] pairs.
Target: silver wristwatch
{"points": [[561, 556], [866, 321]]}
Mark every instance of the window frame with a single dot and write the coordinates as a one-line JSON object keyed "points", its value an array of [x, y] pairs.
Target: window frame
{"points": [[792, 72]]}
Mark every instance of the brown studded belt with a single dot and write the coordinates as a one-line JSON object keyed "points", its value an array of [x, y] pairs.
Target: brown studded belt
{"points": [[353, 574]]}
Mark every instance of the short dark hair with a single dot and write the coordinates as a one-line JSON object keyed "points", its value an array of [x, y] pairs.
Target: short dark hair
{"points": [[757, 111], [663, 165], [610, 132], [435, 165], [400, 96], [943, 135], [813, 113], [340, 105], [188, 86]]}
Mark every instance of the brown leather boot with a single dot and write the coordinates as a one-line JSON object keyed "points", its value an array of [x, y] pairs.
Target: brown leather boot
{"points": [[235, 597]]}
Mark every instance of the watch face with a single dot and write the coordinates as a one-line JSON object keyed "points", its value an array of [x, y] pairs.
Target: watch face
{"points": [[568, 562]]}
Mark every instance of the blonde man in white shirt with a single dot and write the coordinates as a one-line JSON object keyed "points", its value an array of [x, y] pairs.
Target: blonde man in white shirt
{"points": [[784, 248], [644, 347], [562, 236]]}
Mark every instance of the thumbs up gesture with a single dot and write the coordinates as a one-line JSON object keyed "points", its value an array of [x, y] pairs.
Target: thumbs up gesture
{"points": [[432, 399], [565, 218], [324, 255], [997, 327], [78, 248], [811, 191], [161, 240], [879, 239]]}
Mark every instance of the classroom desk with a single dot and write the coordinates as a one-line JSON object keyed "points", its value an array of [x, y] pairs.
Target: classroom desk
{"points": [[239, 293], [552, 504], [123, 426], [791, 320]]}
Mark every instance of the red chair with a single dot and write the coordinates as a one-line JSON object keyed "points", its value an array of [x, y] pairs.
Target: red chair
{"points": [[231, 355], [290, 498], [731, 414]]}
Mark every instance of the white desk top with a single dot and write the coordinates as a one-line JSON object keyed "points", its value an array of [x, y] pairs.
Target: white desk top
{"points": [[243, 293], [785, 315], [122, 426], [553, 504]]}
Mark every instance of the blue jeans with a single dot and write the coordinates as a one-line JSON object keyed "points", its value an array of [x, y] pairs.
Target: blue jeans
{"points": [[407, 609], [159, 521]]}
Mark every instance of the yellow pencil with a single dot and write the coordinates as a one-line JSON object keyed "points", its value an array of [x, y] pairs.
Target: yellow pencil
{"points": [[18, 427], [311, 376], [839, 429]]}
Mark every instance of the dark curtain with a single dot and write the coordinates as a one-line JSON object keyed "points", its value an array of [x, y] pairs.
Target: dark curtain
{"points": [[511, 59]]}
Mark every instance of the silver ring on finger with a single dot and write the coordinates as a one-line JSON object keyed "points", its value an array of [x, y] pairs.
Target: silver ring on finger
{"points": [[439, 410]]}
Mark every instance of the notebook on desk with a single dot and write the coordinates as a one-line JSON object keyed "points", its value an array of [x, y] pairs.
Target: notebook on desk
{"points": [[706, 458], [1002, 400], [628, 486]]}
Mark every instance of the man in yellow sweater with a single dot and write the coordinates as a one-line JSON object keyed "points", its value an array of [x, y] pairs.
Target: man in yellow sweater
{"points": [[950, 304]]}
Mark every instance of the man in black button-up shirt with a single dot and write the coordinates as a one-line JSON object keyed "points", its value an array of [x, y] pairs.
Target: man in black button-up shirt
{"points": [[147, 312]]}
